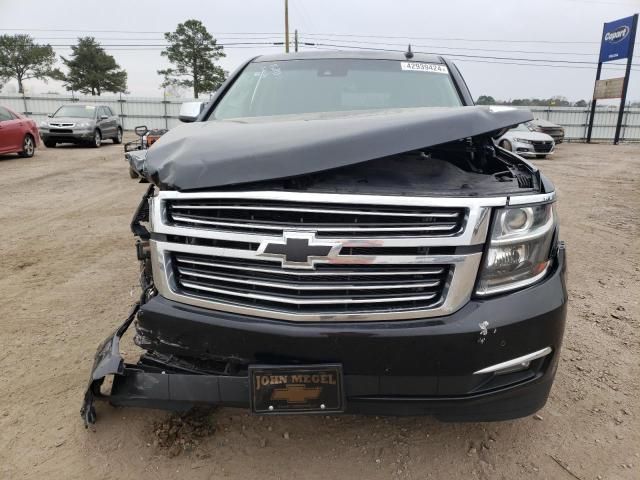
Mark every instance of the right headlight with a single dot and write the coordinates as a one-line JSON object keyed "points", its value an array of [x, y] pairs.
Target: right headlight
{"points": [[519, 249]]}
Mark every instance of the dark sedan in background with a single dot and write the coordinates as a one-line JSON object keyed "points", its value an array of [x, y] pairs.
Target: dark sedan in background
{"points": [[18, 134]]}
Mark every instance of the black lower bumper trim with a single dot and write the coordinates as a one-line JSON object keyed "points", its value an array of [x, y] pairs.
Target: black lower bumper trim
{"points": [[149, 386], [134, 387]]}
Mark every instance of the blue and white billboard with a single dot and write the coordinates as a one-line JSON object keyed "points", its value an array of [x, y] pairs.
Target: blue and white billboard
{"points": [[616, 39]]}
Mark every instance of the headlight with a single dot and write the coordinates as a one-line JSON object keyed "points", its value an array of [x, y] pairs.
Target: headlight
{"points": [[519, 248], [83, 125], [522, 140], [44, 125]]}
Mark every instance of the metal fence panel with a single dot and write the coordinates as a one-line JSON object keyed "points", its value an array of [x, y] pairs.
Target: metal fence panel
{"points": [[575, 121], [157, 112], [153, 112]]}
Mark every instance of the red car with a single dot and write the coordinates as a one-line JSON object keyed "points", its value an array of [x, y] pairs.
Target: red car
{"points": [[18, 134]]}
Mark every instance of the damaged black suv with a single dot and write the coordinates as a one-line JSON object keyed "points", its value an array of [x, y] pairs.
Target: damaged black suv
{"points": [[338, 232]]}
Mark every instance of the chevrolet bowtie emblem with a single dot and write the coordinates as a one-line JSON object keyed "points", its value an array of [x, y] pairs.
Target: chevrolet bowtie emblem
{"points": [[296, 393], [299, 249]]}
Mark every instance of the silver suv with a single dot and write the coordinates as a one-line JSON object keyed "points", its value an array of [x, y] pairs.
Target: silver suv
{"points": [[85, 124]]}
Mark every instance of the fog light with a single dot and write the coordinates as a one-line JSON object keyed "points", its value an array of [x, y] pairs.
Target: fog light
{"points": [[515, 364]]}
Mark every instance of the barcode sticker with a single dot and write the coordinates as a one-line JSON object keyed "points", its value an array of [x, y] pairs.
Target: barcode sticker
{"points": [[424, 67]]}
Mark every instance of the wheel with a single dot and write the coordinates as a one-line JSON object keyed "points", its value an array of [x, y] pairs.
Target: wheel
{"points": [[28, 147], [506, 144], [118, 138], [50, 144], [97, 139], [541, 156], [133, 173]]}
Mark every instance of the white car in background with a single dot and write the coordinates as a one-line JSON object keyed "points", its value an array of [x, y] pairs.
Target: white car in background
{"points": [[525, 141]]}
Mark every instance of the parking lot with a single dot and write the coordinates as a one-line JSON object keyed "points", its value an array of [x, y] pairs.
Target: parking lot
{"points": [[68, 276]]}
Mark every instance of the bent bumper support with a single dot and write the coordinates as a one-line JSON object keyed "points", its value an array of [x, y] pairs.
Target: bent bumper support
{"points": [[144, 386], [107, 362]]}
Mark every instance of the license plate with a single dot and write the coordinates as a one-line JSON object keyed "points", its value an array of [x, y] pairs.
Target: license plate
{"points": [[305, 389]]}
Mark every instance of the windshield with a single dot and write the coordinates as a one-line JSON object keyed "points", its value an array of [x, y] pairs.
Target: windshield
{"points": [[81, 111], [335, 85]]}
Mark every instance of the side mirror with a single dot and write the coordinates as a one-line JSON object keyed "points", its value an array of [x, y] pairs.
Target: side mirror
{"points": [[141, 131], [104, 117], [189, 111], [50, 115]]}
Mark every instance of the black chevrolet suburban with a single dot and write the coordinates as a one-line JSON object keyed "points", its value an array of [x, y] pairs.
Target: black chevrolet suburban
{"points": [[339, 232]]}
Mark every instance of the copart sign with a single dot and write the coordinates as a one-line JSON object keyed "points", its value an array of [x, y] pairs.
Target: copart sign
{"points": [[616, 39]]}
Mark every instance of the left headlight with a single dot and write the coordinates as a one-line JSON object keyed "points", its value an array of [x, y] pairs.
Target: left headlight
{"points": [[522, 140], [44, 125], [83, 125], [519, 248]]}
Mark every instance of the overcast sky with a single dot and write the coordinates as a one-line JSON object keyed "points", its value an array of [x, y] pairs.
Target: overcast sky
{"points": [[495, 28]]}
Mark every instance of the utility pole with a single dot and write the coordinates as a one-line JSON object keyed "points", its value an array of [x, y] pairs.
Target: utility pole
{"points": [[625, 85], [286, 26], [295, 40]]}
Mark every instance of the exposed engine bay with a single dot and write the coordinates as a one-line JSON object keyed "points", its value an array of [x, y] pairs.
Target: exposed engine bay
{"points": [[468, 167]]}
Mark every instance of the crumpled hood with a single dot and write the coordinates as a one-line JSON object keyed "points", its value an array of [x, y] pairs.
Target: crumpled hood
{"points": [[227, 152]]}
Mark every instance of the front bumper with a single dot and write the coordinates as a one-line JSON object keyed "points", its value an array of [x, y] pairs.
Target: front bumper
{"points": [[399, 367], [78, 136], [528, 150]]}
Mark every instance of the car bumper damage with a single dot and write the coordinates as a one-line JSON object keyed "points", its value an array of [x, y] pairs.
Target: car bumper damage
{"points": [[495, 359]]}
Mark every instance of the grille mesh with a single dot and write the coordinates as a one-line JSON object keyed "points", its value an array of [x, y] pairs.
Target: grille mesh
{"points": [[328, 289], [335, 221]]}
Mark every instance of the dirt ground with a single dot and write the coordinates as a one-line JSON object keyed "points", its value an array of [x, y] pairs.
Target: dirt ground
{"points": [[68, 275]]}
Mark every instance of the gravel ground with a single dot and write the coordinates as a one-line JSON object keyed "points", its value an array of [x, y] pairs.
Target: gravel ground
{"points": [[68, 276]]}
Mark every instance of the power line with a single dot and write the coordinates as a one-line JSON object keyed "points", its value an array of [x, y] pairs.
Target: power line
{"points": [[123, 31], [150, 39], [496, 40], [316, 34], [453, 48], [488, 57]]}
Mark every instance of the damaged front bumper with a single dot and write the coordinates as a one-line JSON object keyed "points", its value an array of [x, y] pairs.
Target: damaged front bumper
{"points": [[432, 366]]}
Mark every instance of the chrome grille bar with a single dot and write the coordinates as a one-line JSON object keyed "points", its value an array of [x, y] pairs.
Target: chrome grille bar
{"points": [[300, 286], [323, 210], [307, 301], [261, 226], [281, 271]]}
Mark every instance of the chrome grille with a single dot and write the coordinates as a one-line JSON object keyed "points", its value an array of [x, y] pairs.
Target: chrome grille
{"points": [[334, 288], [542, 146], [335, 220], [394, 258]]}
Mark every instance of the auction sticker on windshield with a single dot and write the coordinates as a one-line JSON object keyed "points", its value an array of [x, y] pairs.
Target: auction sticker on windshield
{"points": [[424, 67]]}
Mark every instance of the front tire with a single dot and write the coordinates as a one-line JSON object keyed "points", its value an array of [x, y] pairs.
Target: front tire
{"points": [[28, 147], [97, 139], [133, 173], [506, 144], [118, 138]]}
